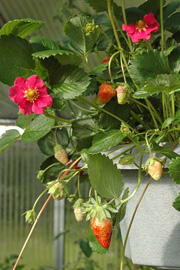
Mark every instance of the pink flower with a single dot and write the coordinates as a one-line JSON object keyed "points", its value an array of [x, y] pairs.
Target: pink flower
{"points": [[142, 29], [31, 95]]}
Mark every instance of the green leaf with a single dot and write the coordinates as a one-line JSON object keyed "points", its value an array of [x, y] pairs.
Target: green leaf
{"points": [[174, 170], [134, 14], [73, 81], [98, 6], [21, 27], [174, 60], [122, 210], [84, 128], [172, 23], [104, 176], [8, 138], [163, 83], [168, 122], [106, 140], [98, 69], [93, 242], [43, 43], [24, 120], [48, 142], [52, 173], [38, 128], [64, 57], [85, 247], [15, 59], [41, 70], [148, 65], [163, 150], [150, 6], [122, 111], [176, 203], [75, 30], [170, 8]]}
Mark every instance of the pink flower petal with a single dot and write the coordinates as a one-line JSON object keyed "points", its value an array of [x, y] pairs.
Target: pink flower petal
{"points": [[44, 101], [150, 19], [20, 81], [36, 109], [129, 28], [34, 81], [151, 26], [27, 108]]}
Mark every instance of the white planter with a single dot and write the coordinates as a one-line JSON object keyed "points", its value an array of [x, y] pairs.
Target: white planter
{"points": [[154, 238]]}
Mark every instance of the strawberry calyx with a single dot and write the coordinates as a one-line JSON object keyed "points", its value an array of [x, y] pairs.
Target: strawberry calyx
{"points": [[59, 190], [101, 210]]}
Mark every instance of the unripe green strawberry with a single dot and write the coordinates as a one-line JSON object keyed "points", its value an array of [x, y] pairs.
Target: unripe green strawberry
{"points": [[123, 93], [154, 168], [106, 93], [61, 154], [78, 210], [102, 231]]}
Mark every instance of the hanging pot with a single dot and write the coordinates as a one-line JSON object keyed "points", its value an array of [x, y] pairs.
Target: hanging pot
{"points": [[154, 239]]}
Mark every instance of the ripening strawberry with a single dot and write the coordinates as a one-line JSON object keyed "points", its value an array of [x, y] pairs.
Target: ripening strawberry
{"points": [[123, 95], [106, 93], [78, 210], [60, 154], [154, 168], [102, 231]]}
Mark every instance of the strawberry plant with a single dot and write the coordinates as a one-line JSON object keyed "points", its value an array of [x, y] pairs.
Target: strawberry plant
{"points": [[94, 119]]}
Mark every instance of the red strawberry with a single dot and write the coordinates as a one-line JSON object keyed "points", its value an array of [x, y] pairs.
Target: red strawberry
{"points": [[102, 231], [106, 93], [76, 167], [106, 60]]}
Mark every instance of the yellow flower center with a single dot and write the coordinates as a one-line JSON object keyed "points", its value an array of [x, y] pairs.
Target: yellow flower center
{"points": [[141, 25], [31, 94]]}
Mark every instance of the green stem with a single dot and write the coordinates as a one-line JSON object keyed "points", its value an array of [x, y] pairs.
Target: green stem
{"points": [[110, 2], [96, 196], [125, 21], [120, 30], [62, 126], [77, 171], [57, 118], [78, 186], [80, 108], [135, 116], [109, 65], [173, 104], [87, 101], [122, 153], [131, 222], [110, 41], [151, 112], [162, 25], [138, 184]]}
